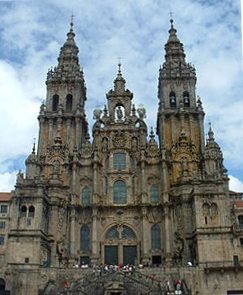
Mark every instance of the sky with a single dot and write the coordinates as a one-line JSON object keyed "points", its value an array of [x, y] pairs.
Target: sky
{"points": [[32, 32]]}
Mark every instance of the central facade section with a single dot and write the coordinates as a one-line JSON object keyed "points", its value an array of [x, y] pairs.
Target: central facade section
{"points": [[121, 187]]}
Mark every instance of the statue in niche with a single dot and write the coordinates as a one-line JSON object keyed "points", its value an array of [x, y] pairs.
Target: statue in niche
{"points": [[56, 167], [104, 145], [184, 164], [119, 113]]}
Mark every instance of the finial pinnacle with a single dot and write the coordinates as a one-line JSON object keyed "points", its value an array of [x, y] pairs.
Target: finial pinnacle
{"points": [[71, 23], [210, 131], [171, 18], [33, 150], [119, 66]]}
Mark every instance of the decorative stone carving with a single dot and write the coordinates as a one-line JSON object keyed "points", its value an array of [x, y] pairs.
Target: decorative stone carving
{"points": [[119, 140]]}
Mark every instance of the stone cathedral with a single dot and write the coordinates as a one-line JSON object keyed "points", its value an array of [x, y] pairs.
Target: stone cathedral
{"points": [[123, 197]]}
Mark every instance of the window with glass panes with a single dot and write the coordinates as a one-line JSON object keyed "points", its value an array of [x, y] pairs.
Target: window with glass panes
{"points": [[86, 196], [155, 237], [154, 195], [119, 192], [1, 240], [84, 238], [4, 208], [119, 161], [2, 224]]}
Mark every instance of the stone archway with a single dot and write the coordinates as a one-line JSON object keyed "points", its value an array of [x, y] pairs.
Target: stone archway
{"points": [[120, 245]]}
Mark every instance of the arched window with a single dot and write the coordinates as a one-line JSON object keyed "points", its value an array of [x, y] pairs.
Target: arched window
{"points": [[2, 284], [69, 102], [119, 161], [23, 211], [55, 101], [172, 100], [112, 233], [86, 196], [155, 237], [154, 195], [31, 211], [128, 233], [84, 238], [205, 209], [186, 99], [119, 192]]}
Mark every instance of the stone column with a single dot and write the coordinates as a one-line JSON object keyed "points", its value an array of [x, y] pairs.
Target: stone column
{"points": [[201, 131], [73, 230], [167, 234], [120, 252], [192, 128], [95, 256], [68, 131], [41, 137], [50, 126], [95, 180], [173, 129], [78, 132], [145, 234], [143, 182]]}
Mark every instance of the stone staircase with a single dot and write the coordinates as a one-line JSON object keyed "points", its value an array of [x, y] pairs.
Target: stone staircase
{"points": [[134, 283]]}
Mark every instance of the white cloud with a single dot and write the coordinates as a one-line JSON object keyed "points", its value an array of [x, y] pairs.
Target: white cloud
{"points": [[7, 181], [235, 184]]}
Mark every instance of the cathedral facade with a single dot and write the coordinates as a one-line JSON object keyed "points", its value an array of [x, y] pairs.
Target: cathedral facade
{"points": [[123, 198]]}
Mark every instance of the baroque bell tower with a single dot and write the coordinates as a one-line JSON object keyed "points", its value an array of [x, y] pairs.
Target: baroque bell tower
{"points": [[180, 116], [63, 117]]}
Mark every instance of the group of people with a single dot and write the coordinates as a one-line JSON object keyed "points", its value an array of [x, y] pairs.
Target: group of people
{"points": [[100, 269]]}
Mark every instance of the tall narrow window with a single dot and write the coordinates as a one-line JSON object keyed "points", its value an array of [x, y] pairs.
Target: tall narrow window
{"points": [[86, 196], [4, 209], [172, 100], [186, 99], [107, 163], [1, 240], [23, 212], [119, 161], [69, 102], [155, 237], [84, 238], [214, 214], [154, 195], [55, 101], [205, 209], [119, 193], [31, 211], [132, 162], [133, 185]]}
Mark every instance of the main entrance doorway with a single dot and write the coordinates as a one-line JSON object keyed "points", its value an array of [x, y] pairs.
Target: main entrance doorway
{"points": [[120, 246], [111, 255], [129, 254]]}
